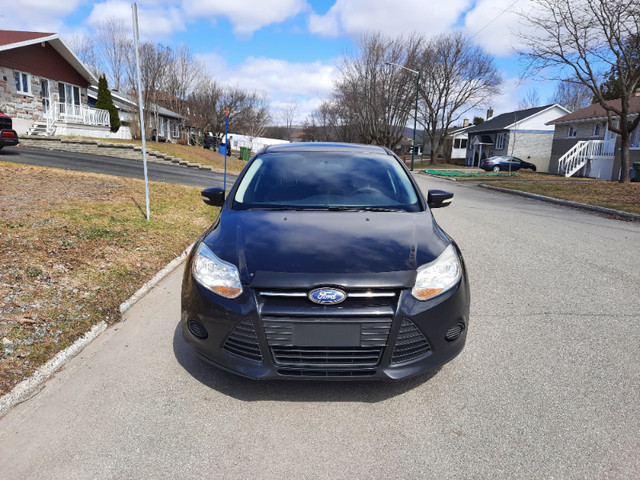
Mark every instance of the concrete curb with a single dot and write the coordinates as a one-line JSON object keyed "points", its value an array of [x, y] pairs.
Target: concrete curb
{"points": [[31, 386], [127, 304], [568, 203]]}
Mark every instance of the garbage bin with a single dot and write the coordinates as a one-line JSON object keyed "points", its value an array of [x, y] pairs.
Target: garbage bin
{"points": [[245, 153], [636, 167]]}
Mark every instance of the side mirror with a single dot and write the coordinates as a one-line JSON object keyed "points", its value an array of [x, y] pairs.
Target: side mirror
{"points": [[213, 196], [439, 198]]}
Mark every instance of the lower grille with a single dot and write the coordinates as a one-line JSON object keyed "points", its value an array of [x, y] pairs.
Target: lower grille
{"points": [[411, 344], [317, 357], [243, 342], [326, 373]]}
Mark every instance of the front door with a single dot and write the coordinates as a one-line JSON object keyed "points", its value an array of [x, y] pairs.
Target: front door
{"points": [[44, 94]]}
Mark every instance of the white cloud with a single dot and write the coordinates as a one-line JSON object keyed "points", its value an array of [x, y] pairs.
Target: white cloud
{"points": [[307, 84], [247, 16], [495, 23], [156, 21], [38, 15], [356, 17]]}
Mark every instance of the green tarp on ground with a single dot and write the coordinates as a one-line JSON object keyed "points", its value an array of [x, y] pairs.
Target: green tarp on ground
{"points": [[455, 173]]}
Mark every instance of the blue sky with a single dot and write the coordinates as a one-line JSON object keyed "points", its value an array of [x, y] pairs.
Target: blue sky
{"points": [[289, 49]]}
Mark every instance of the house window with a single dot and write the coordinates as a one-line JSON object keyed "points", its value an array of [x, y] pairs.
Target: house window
{"points": [[460, 143], [69, 97], [176, 129], [572, 131], [23, 82], [597, 129], [634, 140], [500, 141]]}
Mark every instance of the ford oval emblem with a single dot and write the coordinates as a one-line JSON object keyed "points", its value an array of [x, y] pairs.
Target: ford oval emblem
{"points": [[327, 296]]}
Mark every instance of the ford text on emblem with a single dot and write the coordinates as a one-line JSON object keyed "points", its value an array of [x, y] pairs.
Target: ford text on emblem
{"points": [[327, 296]]}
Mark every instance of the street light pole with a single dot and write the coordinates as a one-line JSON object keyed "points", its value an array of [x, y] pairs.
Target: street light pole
{"points": [[415, 114]]}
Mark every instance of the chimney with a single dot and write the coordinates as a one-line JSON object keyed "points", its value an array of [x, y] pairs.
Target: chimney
{"points": [[465, 122], [489, 113]]}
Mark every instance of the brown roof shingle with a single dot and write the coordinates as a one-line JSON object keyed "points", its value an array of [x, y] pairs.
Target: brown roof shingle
{"points": [[7, 37], [597, 111]]}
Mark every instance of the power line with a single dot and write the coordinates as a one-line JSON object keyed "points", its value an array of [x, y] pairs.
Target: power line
{"points": [[496, 18]]}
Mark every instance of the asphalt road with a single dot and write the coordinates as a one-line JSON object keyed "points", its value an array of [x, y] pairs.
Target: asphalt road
{"points": [[547, 387], [156, 172]]}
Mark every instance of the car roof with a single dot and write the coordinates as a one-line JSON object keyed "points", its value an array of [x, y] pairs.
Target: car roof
{"points": [[325, 147]]}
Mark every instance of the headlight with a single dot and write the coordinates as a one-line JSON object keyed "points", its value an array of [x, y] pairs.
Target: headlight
{"points": [[438, 276], [216, 275]]}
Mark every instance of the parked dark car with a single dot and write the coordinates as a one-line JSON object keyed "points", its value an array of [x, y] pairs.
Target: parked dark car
{"points": [[502, 162], [8, 136], [325, 263]]}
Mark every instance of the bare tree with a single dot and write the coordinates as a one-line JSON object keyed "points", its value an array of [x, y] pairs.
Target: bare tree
{"points": [[456, 77], [182, 76], [584, 40], [155, 60], [530, 99], [84, 47], [114, 46], [204, 103], [372, 97], [572, 95], [288, 116], [254, 116]]}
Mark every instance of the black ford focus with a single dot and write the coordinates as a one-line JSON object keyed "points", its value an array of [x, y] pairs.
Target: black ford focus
{"points": [[325, 262]]}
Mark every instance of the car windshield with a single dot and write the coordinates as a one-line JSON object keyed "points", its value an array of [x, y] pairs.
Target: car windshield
{"points": [[327, 181]]}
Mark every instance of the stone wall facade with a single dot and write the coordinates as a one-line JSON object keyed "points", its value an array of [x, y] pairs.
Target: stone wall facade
{"points": [[26, 108], [92, 147]]}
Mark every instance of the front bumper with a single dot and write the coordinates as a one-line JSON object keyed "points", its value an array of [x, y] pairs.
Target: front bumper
{"points": [[264, 337]]}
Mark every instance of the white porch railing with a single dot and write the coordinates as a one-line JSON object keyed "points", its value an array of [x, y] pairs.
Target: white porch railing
{"points": [[63, 112], [584, 151]]}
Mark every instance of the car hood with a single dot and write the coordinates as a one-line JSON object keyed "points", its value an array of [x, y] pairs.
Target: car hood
{"points": [[282, 249]]}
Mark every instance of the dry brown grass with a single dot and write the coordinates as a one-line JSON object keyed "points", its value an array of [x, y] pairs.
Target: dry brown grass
{"points": [[186, 152], [73, 246], [624, 197]]}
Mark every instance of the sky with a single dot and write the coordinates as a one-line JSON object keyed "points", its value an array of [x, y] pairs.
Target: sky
{"points": [[290, 49]]}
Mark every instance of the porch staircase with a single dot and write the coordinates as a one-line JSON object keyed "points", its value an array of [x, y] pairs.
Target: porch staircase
{"points": [[41, 128], [582, 152]]}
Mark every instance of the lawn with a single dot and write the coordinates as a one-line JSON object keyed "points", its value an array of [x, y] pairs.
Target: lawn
{"points": [[624, 197], [73, 246]]}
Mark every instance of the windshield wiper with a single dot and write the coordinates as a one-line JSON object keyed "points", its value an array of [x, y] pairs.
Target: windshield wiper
{"points": [[363, 209]]}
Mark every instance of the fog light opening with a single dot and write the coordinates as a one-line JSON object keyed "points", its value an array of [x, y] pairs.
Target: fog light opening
{"points": [[197, 329], [454, 332]]}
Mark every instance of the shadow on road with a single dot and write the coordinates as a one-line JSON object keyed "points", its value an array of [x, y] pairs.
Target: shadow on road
{"points": [[289, 390], [9, 151]]}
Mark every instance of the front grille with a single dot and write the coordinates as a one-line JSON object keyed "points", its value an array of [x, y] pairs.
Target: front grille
{"points": [[318, 357], [373, 331], [350, 338], [243, 342], [278, 300], [411, 344]]}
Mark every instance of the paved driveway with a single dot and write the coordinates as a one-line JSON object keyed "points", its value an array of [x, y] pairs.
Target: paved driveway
{"points": [[548, 386]]}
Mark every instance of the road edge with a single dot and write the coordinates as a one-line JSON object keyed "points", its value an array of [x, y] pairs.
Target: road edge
{"points": [[31, 386], [568, 203]]}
